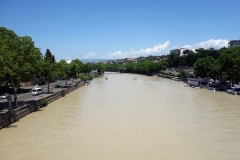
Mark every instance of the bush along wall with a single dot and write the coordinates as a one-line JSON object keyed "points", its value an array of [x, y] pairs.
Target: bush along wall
{"points": [[63, 93], [44, 102]]}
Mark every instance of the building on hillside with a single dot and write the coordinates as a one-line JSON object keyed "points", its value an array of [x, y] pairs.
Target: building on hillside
{"points": [[185, 51], [174, 51], [130, 59], [234, 43], [182, 51], [198, 49]]}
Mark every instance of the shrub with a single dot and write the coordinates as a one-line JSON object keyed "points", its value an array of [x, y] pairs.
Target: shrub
{"points": [[85, 77], [178, 75], [44, 102], [192, 76], [63, 93], [171, 74], [90, 77]]}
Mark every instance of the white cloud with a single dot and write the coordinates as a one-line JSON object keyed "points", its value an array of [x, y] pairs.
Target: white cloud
{"points": [[118, 54], [142, 52], [211, 43], [90, 55], [155, 49], [69, 61], [174, 47]]}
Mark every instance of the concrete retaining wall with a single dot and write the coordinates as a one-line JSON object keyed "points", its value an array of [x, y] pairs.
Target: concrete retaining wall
{"points": [[165, 76]]}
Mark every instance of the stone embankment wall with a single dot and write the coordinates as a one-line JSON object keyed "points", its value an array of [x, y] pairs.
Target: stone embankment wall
{"points": [[7, 118], [165, 76]]}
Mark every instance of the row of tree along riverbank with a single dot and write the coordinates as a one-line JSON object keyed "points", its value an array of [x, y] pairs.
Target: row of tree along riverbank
{"points": [[222, 64], [22, 61]]}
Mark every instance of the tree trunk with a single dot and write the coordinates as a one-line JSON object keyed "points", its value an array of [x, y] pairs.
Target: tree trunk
{"points": [[15, 95], [6, 87], [48, 87], [15, 88], [233, 81], [66, 80], [10, 105]]}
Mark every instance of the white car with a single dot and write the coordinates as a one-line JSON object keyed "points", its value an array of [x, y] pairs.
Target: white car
{"points": [[5, 95], [36, 91], [176, 79]]}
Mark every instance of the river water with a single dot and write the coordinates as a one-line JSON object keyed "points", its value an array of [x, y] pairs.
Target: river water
{"points": [[119, 119]]}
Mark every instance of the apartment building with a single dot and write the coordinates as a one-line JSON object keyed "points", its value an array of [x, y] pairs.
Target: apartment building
{"points": [[234, 43]]}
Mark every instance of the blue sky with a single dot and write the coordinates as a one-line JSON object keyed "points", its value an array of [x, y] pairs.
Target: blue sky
{"points": [[88, 29]]}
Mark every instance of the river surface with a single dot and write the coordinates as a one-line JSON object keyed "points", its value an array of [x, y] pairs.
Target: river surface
{"points": [[121, 119]]}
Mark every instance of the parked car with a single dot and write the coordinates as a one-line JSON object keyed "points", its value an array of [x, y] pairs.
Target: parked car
{"points": [[233, 90], [5, 95], [176, 79], [36, 91], [56, 86]]}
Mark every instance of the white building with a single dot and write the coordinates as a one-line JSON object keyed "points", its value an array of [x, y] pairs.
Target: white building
{"points": [[234, 43], [184, 51]]}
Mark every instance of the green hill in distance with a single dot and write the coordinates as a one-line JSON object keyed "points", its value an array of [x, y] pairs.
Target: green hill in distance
{"points": [[95, 60]]}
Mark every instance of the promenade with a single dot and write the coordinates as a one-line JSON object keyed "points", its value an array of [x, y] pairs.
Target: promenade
{"points": [[24, 93], [29, 103]]}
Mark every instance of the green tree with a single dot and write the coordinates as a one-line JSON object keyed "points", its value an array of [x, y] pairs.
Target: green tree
{"points": [[100, 67], [163, 65], [182, 74], [49, 67], [154, 67], [229, 61], [63, 70], [48, 56], [146, 66], [87, 68], [204, 67], [190, 59], [76, 67], [21, 60]]}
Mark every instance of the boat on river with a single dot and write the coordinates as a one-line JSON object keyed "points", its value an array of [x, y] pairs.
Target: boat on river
{"points": [[88, 82], [194, 82], [219, 86], [213, 87]]}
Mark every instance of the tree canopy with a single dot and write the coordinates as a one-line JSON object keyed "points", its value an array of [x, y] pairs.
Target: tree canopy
{"points": [[21, 60], [226, 66]]}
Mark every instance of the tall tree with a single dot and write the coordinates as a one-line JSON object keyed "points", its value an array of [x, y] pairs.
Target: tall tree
{"points": [[48, 55], [63, 70], [100, 67], [21, 59], [230, 63], [204, 67], [76, 67], [88, 67], [49, 67]]}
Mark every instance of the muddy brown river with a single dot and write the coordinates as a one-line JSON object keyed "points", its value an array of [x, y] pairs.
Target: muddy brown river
{"points": [[121, 119]]}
